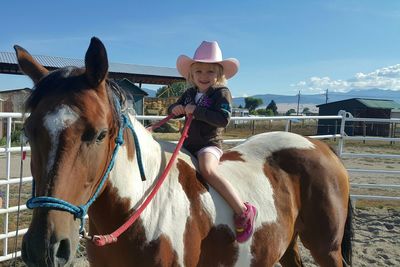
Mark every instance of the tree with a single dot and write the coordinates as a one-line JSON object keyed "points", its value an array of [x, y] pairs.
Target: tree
{"points": [[269, 112], [252, 103], [176, 89], [306, 110], [260, 111], [272, 106], [290, 111]]}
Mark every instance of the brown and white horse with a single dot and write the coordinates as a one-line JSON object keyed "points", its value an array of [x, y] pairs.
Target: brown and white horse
{"points": [[299, 186]]}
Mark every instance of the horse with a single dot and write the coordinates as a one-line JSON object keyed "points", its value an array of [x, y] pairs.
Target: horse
{"points": [[299, 185]]}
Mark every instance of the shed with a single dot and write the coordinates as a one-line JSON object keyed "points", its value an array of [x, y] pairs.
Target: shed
{"points": [[135, 95], [13, 100], [359, 108], [395, 114]]}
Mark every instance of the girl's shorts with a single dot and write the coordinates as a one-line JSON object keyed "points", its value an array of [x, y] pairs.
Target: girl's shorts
{"points": [[216, 151]]}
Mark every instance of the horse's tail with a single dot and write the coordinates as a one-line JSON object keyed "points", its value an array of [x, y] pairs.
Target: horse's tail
{"points": [[348, 236]]}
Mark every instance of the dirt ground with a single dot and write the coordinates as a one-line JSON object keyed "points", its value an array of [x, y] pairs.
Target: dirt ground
{"points": [[376, 223]]}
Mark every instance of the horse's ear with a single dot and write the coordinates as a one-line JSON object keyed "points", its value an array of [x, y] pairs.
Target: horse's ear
{"points": [[29, 65], [96, 62]]}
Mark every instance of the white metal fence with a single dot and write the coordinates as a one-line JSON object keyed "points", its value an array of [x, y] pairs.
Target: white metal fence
{"points": [[7, 151]]}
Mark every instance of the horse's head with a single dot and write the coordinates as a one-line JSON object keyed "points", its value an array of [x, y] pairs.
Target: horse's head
{"points": [[71, 130]]}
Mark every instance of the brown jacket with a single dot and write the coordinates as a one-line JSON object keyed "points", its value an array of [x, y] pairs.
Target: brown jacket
{"points": [[210, 117]]}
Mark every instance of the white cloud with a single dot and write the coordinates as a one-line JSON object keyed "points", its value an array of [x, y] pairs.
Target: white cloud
{"points": [[383, 78]]}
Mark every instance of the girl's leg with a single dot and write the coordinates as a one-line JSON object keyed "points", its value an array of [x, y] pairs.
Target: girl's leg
{"points": [[245, 213], [208, 164]]}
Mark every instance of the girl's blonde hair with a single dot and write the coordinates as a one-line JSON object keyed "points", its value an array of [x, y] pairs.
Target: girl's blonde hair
{"points": [[221, 80]]}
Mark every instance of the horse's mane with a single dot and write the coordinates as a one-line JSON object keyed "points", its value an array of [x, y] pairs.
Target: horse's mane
{"points": [[68, 80]]}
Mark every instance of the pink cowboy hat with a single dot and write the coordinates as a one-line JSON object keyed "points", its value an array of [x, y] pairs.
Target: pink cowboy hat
{"points": [[207, 52]]}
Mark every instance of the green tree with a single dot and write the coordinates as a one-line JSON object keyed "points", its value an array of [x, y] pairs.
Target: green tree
{"points": [[175, 89], [306, 110], [272, 106], [290, 111], [269, 112], [260, 111], [264, 112], [252, 103]]}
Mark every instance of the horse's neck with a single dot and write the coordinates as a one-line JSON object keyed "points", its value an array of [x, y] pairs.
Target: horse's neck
{"points": [[151, 152], [125, 176]]}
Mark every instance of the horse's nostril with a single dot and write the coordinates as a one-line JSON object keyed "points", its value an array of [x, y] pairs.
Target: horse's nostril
{"points": [[63, 252]]}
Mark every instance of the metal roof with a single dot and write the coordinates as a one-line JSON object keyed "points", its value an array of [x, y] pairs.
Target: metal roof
{"points": [[133, 89], [47, 61], [135, 73], [379, 103], [369, 103]]}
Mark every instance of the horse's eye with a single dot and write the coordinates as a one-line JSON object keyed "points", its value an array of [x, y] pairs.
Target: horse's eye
{"points": [[101, 136], [91, 135]]}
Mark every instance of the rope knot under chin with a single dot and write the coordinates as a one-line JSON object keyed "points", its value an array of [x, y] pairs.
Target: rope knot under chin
{"points": [[102, 240]]}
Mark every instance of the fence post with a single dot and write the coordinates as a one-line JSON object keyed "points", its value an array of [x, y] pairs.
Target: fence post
{"points": [[8, 177], [392, 131], [344, 115], [364, 131]]}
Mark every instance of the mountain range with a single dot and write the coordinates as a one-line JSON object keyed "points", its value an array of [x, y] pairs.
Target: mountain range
{"points": [[315, 99], [318, 99]]}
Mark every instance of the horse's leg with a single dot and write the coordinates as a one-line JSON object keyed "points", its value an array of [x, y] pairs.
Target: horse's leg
{"points": [[323, 191], [323, 232], [330, 257], [292, 255], [335, 255]]}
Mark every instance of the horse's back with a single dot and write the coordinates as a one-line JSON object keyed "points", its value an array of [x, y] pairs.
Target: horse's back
{"points": [[286, 159], [275, 167], [294, 181]]}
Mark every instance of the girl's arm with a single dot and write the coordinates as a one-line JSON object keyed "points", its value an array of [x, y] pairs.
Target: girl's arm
{"points": [[180, 101]]}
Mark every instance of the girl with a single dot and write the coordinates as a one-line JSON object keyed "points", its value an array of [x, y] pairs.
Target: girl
{"points": [[210, 103]]}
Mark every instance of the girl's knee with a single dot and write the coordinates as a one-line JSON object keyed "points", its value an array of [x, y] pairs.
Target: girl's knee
{"points": [[207, 173]]}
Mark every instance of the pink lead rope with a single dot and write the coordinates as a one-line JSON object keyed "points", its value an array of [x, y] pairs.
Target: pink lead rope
{"points": [[161, 122], [101, 240]]}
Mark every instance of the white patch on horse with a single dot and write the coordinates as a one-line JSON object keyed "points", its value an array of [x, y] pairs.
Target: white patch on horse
{"points": [[251, 184], [275, 141], [169, 210], [55, 122]]}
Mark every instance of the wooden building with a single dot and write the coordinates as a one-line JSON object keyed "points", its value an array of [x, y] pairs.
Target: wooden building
{"points": [[12, 101], [359, 108], [134, 95]]}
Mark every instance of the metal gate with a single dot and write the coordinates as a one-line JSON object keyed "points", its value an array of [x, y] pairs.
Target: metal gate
{"points": [[10, 164]]}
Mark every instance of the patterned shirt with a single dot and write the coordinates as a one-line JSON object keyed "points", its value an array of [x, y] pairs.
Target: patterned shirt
{"points": [[211, 116]]}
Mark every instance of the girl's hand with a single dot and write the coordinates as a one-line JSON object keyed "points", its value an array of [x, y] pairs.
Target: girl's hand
{"points": [[178, 110], [189, 109]]}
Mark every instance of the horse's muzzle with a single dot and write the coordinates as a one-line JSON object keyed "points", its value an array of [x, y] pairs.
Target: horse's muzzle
{"points": [[48, 253]]}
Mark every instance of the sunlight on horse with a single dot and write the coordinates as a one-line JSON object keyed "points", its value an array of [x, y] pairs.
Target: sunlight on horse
{"points": [[299, 185]]}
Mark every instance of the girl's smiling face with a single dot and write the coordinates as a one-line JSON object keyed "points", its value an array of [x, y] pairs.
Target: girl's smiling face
{"points": [[204, 75]]}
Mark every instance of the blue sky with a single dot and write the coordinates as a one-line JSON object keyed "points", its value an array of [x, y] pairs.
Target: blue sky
{"points": [[283, 46]]}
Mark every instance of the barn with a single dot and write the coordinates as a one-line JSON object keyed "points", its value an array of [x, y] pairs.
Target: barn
{"points": [[359, 108], [134, 94]]}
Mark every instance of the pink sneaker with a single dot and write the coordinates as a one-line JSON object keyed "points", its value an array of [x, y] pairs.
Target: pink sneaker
{"points": [[245, 223]]}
